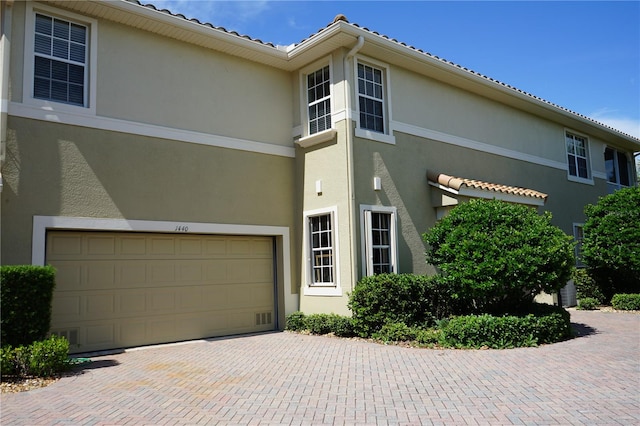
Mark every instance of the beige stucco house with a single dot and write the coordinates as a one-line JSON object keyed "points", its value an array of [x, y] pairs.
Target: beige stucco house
{"points": [[188, 182]]}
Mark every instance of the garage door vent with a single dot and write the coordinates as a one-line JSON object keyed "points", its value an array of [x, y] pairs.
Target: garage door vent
{"points": [[263, 318], [71, 335]]}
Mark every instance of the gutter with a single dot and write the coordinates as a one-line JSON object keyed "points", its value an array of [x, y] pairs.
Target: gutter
{"points": [[350, 163]]}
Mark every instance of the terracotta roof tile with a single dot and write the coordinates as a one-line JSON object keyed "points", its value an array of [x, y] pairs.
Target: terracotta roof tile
{"points": [[456, 183]]}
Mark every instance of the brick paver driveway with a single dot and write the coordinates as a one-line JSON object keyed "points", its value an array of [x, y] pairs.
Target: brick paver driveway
{"points": [[283, 378]]}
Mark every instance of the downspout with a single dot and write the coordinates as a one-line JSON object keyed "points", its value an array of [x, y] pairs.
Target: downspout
{"points": [[350, 162], [5, 59]]}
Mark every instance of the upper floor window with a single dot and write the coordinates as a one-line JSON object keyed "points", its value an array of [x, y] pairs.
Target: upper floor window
{"points": [[319, 100], [578, 156], [59, 58], [371, 98], [618, 169], [60, 49]]}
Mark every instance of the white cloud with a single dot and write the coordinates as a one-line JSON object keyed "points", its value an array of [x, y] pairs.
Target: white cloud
{"points": [[628, 125]]}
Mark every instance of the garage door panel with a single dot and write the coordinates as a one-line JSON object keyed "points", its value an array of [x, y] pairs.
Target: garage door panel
{"points": [[125, 289], [101, 245], [132, 302], [66, 307], [133, 246], [100, 305], [99, 335], [99, 275]]}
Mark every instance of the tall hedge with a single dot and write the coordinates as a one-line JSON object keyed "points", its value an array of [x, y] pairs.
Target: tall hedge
{"points": [[25, 303], [611, 244], [495, 256]]}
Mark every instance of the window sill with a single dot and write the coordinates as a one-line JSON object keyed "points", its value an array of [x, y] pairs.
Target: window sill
{"points": [[580, 180], [317, 138], [378, 137], [322, 291]]}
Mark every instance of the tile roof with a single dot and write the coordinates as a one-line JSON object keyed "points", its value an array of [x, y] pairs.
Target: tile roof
{"points": [[456, 183], [341, 18]]}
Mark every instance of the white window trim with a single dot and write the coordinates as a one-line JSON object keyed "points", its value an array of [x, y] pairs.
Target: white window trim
{"points": [[576, 226], [365, 240], [630, 168], [311, 289], [308, 139], [387, 136], [92, 60], [570, 177]]}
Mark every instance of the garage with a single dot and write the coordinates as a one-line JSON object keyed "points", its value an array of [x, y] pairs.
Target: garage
{"points": [[124, 289]]}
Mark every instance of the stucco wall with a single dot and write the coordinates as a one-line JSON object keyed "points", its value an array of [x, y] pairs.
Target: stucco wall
{"points": [[148, 78], [402, 169], [61, 170]]}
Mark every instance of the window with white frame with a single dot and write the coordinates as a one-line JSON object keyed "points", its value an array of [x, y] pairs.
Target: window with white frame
{"points": [[321, 247], [371, 98], [319, 100], [379, 235], [578, 235], [618, 169], [59, 58], [577, 156]]}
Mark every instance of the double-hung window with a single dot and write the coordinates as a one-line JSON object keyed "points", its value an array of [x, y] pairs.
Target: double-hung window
{"points": [[371, 98], [321, 248], [618, 169], [578, 156], [379, 239], [60, 58], [319, 100]]}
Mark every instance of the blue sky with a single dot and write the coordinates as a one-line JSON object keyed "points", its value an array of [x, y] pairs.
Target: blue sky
{"points": [[581, 55]]}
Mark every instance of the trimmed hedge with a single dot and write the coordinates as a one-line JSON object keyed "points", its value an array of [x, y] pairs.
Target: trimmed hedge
{"points": [[626, 302], [339, 325], [588, 304], [415, 300], [478, 331], [26, 292], [44, 358]]}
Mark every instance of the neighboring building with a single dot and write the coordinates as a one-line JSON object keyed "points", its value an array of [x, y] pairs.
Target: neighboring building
{"points": [[188, 182]]}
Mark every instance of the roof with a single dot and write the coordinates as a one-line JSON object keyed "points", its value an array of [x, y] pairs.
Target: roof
{"points": [[339, 33], [480, 189]]}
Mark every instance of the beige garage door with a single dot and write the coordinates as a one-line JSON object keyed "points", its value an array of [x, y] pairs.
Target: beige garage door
{"points": [[117, 290]]}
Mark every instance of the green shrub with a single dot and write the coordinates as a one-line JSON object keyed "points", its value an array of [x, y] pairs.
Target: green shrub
{"points": [[388, 298], [395, 332], [341, 326], [611, 244], [40, 359], [626, 302], [586, 286], [500, 332], [25, 302], [588, 304], [295, 321], [494, 255], [429, 336]]}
